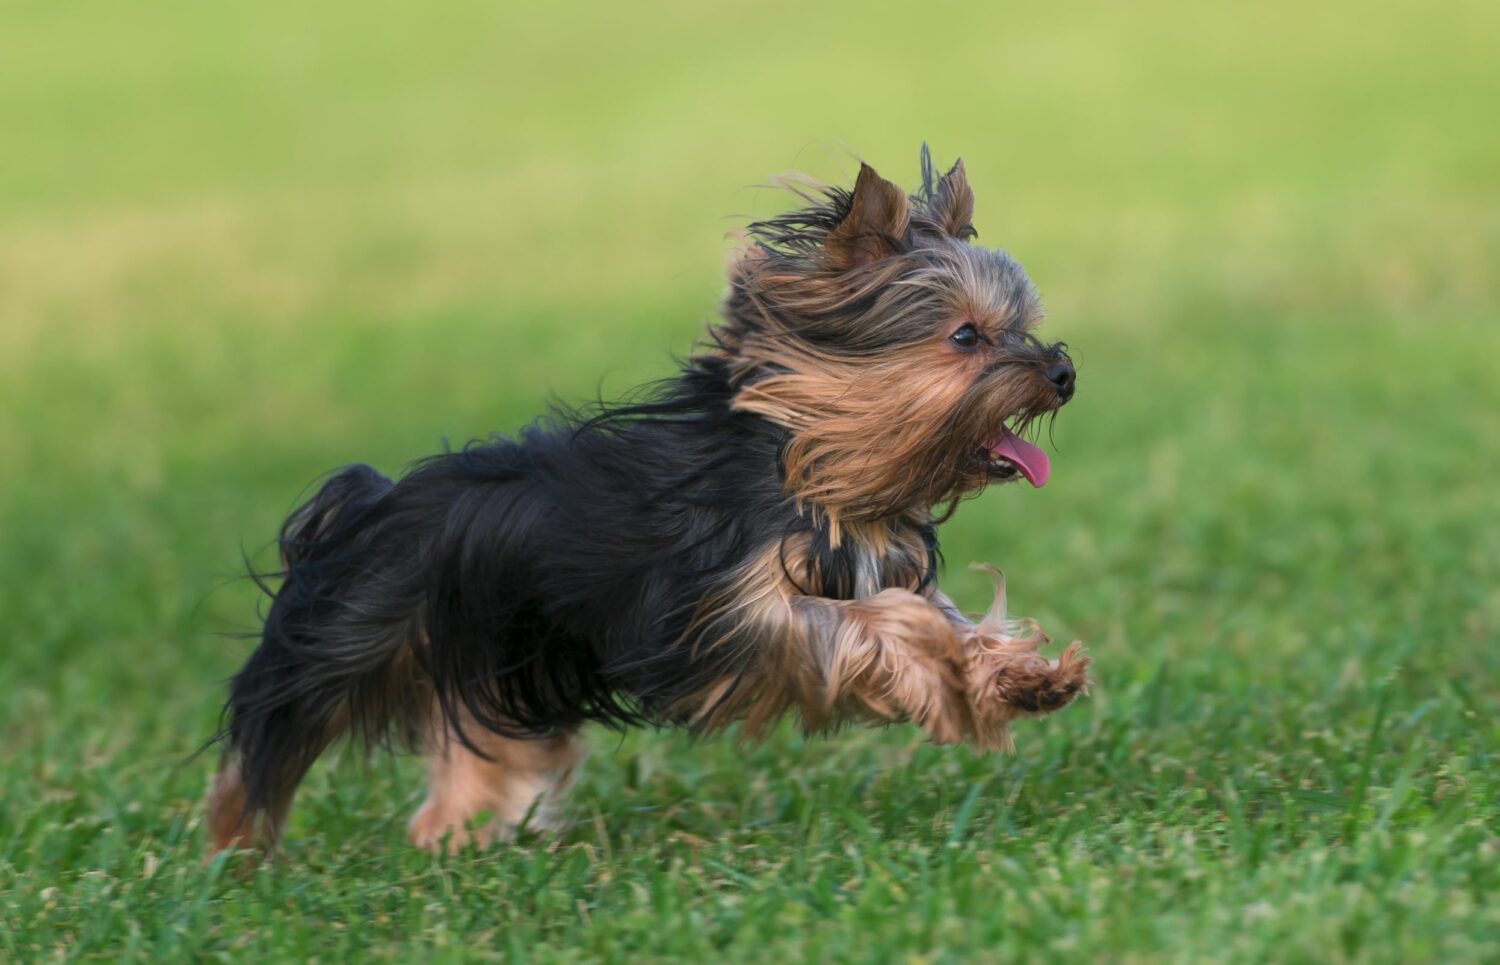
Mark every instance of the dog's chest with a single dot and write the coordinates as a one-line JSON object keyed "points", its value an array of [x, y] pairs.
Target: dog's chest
{"points": [[873, 558]]}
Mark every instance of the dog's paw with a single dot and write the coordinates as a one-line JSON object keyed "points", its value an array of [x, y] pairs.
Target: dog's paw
{"points": [[438, 829], [1035, 685], [1008, 679]]}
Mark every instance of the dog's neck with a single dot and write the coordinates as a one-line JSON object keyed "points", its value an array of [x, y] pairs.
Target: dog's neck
{"points": [[871, 555]]}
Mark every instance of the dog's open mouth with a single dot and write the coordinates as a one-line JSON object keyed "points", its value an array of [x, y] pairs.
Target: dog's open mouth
{"points": [[1009, 455]]}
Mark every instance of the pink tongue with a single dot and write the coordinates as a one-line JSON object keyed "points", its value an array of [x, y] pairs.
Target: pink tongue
{"points": [[1032, 461]]}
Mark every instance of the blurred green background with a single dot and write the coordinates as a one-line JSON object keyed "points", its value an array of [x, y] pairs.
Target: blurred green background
{"points": [[240, 245]]}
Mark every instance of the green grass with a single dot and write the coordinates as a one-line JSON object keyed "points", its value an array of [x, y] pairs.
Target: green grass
{"points": [[241, 245]]}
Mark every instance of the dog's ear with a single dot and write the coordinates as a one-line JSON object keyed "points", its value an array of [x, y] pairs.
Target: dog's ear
{"points": [[874, 228], [953, 203]]}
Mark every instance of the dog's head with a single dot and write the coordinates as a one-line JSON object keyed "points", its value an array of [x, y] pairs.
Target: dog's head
{"points": [[898, 355]]}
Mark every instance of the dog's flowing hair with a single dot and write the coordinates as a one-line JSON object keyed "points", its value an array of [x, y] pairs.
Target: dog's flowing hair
{"points": [[750, 538]]}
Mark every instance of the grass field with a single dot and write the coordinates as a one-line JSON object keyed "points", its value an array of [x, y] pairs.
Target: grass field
{"points": [[240, 245]]}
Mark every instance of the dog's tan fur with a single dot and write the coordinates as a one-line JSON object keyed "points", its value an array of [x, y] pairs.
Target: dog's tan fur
{"points": [[890, 655], [515, 781]]}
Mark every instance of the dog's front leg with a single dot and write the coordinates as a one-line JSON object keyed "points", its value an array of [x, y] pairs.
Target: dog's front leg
{"points": [[1005, 675], [893, 656]]}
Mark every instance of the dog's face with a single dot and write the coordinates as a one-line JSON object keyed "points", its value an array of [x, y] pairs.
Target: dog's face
{"points": [[900, 356]]}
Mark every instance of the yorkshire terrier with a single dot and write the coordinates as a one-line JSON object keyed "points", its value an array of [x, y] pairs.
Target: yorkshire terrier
{"points": [[751, 538]]}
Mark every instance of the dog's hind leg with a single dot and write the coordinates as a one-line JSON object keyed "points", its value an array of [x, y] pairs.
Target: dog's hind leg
{"points": [[475, 798], [234, 821]]}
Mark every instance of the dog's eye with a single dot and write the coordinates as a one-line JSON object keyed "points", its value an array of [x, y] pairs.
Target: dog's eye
{"points": [[966, 337]]}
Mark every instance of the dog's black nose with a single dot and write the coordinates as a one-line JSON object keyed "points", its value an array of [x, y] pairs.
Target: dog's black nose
{"points": [[1062, 376]]}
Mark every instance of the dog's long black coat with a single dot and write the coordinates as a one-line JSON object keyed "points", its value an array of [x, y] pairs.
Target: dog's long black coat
{"points": [[537, 582]]}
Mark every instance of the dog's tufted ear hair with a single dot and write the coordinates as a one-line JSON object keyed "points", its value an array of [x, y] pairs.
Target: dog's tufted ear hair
{"points": [[953, 203], [874, 228]]}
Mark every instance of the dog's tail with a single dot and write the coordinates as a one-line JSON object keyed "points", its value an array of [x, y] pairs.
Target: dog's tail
{"points": [[341, 504], [335, 631]]}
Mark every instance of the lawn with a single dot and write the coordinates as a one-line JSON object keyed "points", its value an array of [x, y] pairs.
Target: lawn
{"points": [[241, 245]]}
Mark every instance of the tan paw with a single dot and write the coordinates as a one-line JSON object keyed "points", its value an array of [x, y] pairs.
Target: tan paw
{"points": [[1007, 678], [1007, 683], [437, 828], [1035, 685]]}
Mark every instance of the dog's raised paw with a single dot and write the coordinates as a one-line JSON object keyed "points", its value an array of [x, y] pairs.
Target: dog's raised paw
{"points": [[1036, 685], [1008, 679]]}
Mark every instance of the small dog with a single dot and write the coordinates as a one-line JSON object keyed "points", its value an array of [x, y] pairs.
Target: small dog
{"points": [[752, 538]]}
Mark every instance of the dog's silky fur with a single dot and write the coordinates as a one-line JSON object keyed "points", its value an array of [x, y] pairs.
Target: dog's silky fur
{"points": [[752, 538]]}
